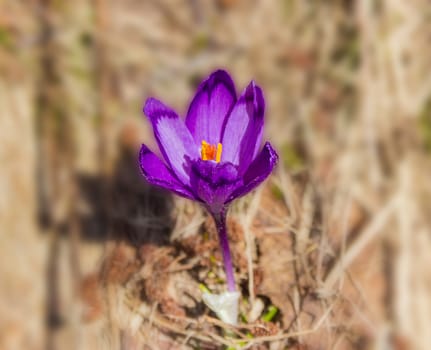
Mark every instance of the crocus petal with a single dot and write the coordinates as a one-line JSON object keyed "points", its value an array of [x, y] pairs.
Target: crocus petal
{"points": [[258, 171], [210, 106], [174, 139], [215, 173], [213, 182], [243, 129], [156, 173]]}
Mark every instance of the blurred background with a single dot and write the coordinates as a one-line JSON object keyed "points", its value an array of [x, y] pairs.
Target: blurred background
{"points": [[347, 86]]}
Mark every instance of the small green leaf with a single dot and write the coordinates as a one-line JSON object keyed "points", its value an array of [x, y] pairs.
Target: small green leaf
{"points": [[270, 314], [204, 288]]}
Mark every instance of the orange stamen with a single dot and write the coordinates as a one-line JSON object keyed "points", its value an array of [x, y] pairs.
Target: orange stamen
{"points": [[211, 152]]}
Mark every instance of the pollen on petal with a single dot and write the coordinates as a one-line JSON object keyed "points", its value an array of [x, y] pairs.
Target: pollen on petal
{"points": [[211, 152]]}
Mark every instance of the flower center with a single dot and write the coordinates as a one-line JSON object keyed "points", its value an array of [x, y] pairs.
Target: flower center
{"points": [[211, 152]]}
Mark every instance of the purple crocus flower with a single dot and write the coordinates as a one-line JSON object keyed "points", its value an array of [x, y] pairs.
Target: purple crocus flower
{"points": [[213, 156]]}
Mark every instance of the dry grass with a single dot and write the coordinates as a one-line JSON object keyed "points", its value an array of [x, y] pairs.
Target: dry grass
{"points": [[338, 239]]}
